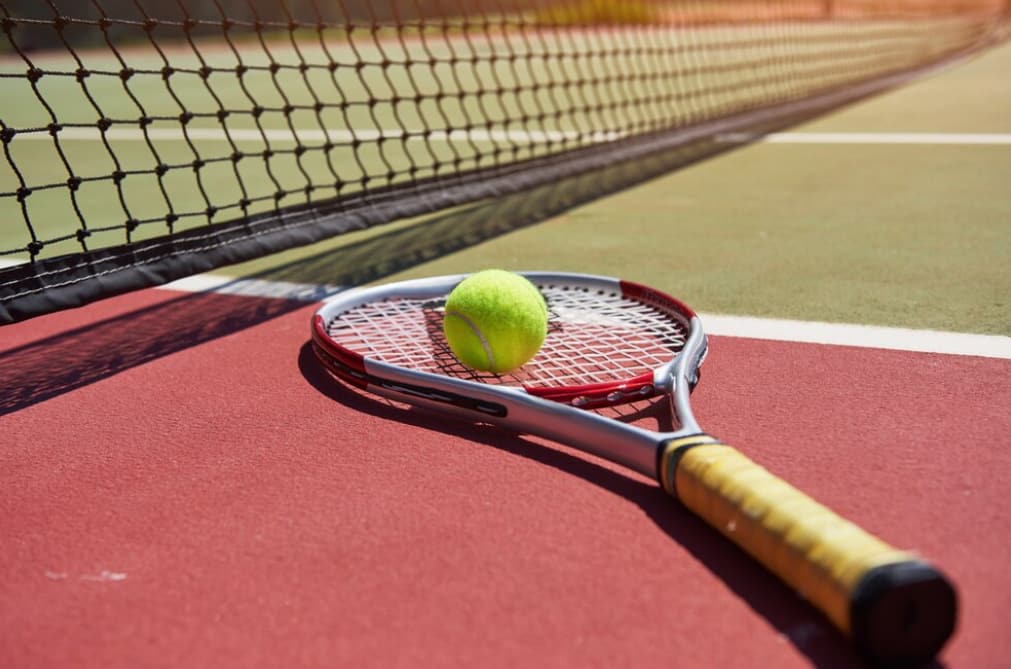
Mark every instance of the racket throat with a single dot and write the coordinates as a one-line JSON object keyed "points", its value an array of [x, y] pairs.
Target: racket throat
{"points": [[669, 454]]}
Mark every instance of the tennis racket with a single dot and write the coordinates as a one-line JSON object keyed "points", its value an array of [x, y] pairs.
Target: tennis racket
{"points": [[612, 342]]}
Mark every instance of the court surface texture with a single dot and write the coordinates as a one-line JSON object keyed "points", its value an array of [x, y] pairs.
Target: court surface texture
{"points": [[182, 487]]}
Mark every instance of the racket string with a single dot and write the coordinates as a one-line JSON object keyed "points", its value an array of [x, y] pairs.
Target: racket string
{"points": [[593, 337]]}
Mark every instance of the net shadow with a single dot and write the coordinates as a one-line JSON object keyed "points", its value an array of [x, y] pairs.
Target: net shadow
{"points": [[206, 153], [59, 364], [442, 235], [56, 365]]}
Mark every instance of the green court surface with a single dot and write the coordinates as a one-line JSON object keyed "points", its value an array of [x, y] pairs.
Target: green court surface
{"points": [[910, 235]]}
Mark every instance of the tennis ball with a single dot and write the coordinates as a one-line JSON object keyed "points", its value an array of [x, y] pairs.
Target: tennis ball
{"points": [[495, 321]]}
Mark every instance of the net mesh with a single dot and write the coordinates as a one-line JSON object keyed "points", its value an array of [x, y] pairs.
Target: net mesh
{"points": [[147, 139]]}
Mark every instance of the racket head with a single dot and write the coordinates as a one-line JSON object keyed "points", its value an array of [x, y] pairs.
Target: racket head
{"points": [[612, 342], [609, 342]]}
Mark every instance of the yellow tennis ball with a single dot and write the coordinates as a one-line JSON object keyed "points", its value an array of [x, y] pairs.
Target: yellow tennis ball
{"points": [[495, 321]]}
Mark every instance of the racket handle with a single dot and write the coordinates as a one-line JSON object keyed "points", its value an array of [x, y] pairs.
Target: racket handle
{"points": [[896, 608]]}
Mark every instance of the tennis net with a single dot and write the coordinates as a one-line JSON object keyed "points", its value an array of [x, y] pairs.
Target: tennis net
{"points": [[145, 140]]}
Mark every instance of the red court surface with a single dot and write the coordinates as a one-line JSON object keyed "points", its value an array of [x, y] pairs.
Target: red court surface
{"points": [[180, 487]]}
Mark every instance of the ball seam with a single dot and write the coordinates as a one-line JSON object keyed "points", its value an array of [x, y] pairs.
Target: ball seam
{"points": [[489, 355]]}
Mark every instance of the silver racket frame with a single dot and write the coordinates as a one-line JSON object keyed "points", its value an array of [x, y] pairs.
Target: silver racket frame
{"points": [[896, 608], [512, 407]]}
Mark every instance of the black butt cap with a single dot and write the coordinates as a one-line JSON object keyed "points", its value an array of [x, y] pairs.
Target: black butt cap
{"points": [[902, 614]]}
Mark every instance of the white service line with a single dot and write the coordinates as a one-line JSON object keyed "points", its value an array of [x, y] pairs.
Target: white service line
{"points": [[867, 336], [925, 138], [287, 290], [841, 334]]}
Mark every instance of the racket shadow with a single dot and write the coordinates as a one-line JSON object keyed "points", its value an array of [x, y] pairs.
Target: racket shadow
{"points": [[793, 618]]}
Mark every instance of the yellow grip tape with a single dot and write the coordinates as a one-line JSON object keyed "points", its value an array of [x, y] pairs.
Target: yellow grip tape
{"points": [[815, 551]]}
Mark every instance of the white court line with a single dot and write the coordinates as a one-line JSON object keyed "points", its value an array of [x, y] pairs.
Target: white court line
{"points": [[926, 138], [841, 334], [303, 292], [866, 336]]}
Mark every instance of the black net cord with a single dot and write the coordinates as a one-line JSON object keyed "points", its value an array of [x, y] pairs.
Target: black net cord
{"points": [[42, 287]]}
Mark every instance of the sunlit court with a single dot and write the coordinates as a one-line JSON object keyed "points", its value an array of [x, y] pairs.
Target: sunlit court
{"points": [[739, 397]]}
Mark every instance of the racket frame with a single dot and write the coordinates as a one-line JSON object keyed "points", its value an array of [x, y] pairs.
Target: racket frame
{"points": [[556, 413], [895, 607]]}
